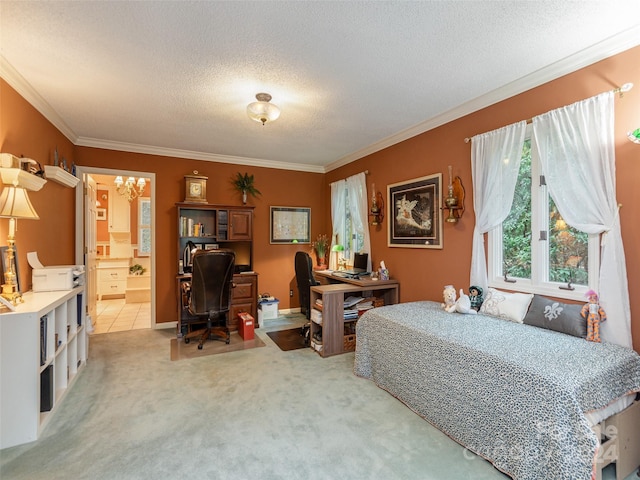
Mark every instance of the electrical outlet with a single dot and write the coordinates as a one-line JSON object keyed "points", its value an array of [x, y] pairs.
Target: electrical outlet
{"points": [[291, 293]]}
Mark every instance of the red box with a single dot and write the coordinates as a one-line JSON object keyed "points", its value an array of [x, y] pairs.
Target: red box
{"points": [[245, 325]]}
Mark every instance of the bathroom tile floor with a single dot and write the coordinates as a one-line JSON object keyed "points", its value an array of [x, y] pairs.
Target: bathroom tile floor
{"points": [[116, 316]]}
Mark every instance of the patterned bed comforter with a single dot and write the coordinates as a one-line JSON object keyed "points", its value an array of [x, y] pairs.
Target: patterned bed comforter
{"points": [[512, 393]]}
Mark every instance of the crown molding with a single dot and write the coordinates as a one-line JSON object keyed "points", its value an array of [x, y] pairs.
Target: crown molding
{"points": [[20, 85], [192, 155], [605, 49]]}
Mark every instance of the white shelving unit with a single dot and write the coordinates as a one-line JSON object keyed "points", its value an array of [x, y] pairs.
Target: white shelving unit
{"points": [[36, 360]]}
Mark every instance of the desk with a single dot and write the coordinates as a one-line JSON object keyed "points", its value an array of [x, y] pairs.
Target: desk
{"points": [[337, 333], [389, 287], [244, 298]]}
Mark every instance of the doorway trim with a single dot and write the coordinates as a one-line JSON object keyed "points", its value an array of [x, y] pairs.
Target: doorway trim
{"points": [[80, 226]]}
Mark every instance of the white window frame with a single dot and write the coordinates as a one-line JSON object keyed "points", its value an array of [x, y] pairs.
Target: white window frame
{"points": [[539, 248], [144, 250]]}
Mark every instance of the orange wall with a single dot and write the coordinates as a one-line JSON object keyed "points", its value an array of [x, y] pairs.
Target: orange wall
{"points": [[274, 263], [25, 132], [422, 272]]}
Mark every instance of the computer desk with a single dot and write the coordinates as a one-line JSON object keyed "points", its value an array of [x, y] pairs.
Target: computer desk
{"points": [[338, 333], [391, 286]]}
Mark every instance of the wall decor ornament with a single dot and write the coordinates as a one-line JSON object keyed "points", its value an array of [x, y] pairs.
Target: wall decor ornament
{"points": [[415, 215], [245, 185]]}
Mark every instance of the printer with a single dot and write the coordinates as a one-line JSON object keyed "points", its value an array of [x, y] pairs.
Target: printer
{"points": [[49, 279]]}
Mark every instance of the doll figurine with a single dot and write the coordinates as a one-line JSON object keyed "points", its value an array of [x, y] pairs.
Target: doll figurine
{"points": [[594, 314], [475, 295]]}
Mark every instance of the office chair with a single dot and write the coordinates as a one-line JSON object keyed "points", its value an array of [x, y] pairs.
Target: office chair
{"points": [[210, 293], [305, 280]]}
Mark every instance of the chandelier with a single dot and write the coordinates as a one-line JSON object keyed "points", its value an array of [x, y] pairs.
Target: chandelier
{"points": [[130, 189]]}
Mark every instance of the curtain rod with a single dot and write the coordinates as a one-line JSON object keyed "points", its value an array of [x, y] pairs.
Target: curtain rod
{"points": [[366, 172], [621, 90]]}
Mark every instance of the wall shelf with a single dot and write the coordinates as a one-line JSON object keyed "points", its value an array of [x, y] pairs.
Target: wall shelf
{"points": [[22, 178], [60, 176]]}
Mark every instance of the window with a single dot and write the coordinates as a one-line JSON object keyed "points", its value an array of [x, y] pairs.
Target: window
{"points": [[349, 226], [351, 240], [144, 226], [534, 250]]}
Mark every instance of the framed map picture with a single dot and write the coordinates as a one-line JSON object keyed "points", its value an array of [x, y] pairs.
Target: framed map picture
{"points": [[415, 215], [290, 225]]}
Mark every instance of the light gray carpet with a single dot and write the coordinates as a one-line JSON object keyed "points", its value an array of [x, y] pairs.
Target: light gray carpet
{"points": [[252, 414]]}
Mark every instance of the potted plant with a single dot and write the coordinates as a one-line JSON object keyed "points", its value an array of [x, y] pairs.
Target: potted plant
{"points": [[244, 184], [321, 247], [137, 269]]}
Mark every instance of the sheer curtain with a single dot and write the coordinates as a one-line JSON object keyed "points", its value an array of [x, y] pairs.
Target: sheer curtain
{"points": [[576, 148], [495, 162], [338, 190], [357, 190]]}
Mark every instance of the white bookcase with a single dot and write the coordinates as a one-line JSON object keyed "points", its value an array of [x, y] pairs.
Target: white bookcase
{"points": [[32, 364]]}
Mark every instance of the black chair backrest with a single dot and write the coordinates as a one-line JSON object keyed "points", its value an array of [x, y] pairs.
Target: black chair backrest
{"points": [[211, 281], [304, 272]]}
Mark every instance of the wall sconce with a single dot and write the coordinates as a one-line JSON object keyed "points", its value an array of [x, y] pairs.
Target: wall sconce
{"points": [[454, 201], [376, 212], [634, 136]]}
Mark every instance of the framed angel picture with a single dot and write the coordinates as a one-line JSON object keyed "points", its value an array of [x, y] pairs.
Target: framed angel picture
{"points": [[415, 215]]}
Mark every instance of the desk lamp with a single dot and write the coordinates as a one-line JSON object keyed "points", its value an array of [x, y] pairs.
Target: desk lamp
{"points": [[14, 204], [337, 248]]}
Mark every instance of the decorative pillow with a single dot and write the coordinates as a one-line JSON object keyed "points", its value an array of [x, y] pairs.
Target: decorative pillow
{"points": [[553, 315], [510, 306]]}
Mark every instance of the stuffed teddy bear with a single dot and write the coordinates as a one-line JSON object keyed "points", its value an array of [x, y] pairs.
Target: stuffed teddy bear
{"points": [[595, 315], [449, 295], [463, 304]]}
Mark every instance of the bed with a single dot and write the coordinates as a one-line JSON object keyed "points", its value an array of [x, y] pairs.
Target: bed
{"points": [[515, 394]]}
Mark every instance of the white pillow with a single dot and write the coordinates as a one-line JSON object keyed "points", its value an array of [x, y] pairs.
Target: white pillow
{"points": [[510, 306]]}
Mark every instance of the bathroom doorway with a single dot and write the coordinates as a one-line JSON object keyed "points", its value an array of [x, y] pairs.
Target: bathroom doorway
{"points": [[117, 246]]}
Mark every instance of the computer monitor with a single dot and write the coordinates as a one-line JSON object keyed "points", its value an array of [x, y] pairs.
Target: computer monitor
{"points": [[359, 267], [360, 262]]}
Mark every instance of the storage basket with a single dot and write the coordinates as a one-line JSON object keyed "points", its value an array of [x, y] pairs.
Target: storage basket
{"points": [[349, 343]]}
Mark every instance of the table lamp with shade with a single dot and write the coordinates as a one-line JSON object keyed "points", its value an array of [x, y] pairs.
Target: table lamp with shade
{"points": [[337, 248], [14, 205]]}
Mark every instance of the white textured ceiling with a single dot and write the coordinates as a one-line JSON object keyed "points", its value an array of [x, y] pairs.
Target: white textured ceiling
{"points": [[175, 77]]}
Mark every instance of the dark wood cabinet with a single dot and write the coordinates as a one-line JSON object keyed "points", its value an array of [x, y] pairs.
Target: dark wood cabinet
{"points": [[240, 225], [244, 298], [209, 226]]}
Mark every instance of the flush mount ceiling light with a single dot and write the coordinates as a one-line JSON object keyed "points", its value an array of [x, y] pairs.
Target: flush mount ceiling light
{"points": [[262, 111]]}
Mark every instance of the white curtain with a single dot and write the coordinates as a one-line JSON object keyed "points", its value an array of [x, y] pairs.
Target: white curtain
{"points": [[495, 162], [357, 191], [576, 148], [338, 198]]}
